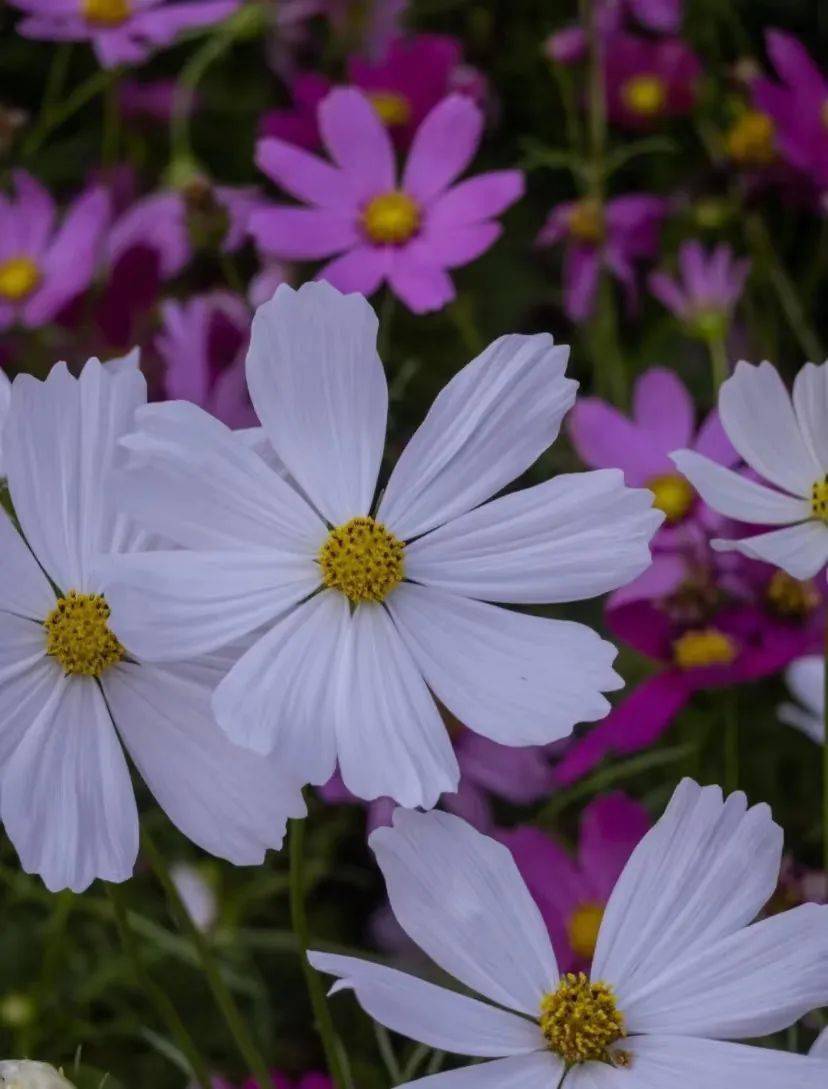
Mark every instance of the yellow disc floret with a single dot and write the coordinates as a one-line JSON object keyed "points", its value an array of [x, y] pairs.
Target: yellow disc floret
{"points": [[391, 218], [582, 929], [645, 95], [19, 276], [672, 494], [393, 109], [704, 647], [362, 559], [790, 597], [580, 1020], [819, 499], [78, 636], [751, 141], [585, 221], [106, 12]]}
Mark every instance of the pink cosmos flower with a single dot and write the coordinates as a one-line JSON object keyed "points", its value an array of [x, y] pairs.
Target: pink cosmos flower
{"points": [[573, 892], [43, 266], [648, 80], [202, 342], [570, 44], [377, 227], [120, 31], [798, 106], [625, 230], [296, 123], [707, 290]]}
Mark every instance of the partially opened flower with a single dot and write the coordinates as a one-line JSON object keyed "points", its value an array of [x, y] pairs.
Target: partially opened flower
{"points": [[43, 266], [572, 892], [120, 31], [648, 80], [707, 290], [679, 970], [71, 693], [361, 606], [378, 227], [806, 681], [786, 443], [613, 236]]}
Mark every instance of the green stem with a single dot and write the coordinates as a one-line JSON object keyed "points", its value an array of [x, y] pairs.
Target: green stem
{"points": [[298, 914], [386, 318], [191, 75], [56, 79], [111, 123], [596, 96], [224, 999], [731, 741], [159, 998], [719, 366], [66, 109]]}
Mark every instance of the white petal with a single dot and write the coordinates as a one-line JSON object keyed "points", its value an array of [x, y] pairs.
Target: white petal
{"points": [[737, 496], [801, 550], [27, 679], [488, 425], [59, 447], [318, 387], [810, 399], [279, 696], [432, 1015], [810, 725], [229, 801], [820, 1048], [169, 606], [65, 795], [806, 680], [24, 589], [759, 420], [391, 740], [571, 538], [540, 1070], [458, 894], [752, 983], [190, 478], [701, 873], [517, 679]]}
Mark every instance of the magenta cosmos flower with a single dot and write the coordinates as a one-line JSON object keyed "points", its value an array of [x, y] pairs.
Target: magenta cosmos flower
{"points": [[43, 265], [797, 105], [570, 44], [573, 892], [120, 31], [625, 230], [707, 289], [649, 80], [378, 227]]}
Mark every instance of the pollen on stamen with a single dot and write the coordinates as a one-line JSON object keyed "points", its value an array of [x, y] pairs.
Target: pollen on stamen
{"points": [[391, 218], [819, 499], [362, 559], [77, 634], [106, 12], [580, 1020]]}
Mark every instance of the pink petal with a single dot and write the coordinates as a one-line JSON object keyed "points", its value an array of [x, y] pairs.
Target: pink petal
{"points": [[713, 443], [606, 439], [611, 827], [443, 147], [421, 286], [455, 246], [582, 267], [361, 269], [357, 141], [303, 175], [33, 215], [664, 409], [302, 234], [476, 199]]}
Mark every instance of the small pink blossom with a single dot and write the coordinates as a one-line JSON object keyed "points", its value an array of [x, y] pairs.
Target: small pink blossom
{"points": [[707, 289], [648, 80]]}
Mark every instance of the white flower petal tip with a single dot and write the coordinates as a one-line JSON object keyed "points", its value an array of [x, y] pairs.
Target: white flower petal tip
{"points": [[28, 1074], [820, 1048], [801, 550]]}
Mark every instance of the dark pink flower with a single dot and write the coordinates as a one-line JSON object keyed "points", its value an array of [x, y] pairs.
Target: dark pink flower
{"points": [[377, 227], [707, 289], [625, 230], [120, 31], [648, 80], [798, 106], [202, 343], [296, 124], [570, 44], [573, 892], [43, 265], [158, 223]]}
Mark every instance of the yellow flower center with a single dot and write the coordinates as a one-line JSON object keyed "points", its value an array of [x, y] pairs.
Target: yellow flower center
{"points": [[704, 647], [819, 499], [583, 927], [790, 597], [586, 221], [106, 12], [672, 494], [362, 559], [391, 218], [78, 636], [393, 109], [751, 139], [645, 95], [580, 1020], [19, 276]]}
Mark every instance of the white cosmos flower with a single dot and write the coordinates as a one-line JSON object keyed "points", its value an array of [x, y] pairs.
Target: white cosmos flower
{"points": [[786, 443], [677, 970], [26, 1074], [365, 605], [71, 693], [806, 681]]}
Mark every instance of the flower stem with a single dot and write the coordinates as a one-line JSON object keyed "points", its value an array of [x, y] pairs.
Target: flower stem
{"points": [[65, 109], [322, 1015], [719, 367], [731, 741], [166, 1010], [223, 998]]}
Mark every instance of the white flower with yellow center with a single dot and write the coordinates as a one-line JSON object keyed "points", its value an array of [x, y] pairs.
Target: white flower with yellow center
{"points": [[784, 441], [71, 692], [679, 966], [363, 605]]}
